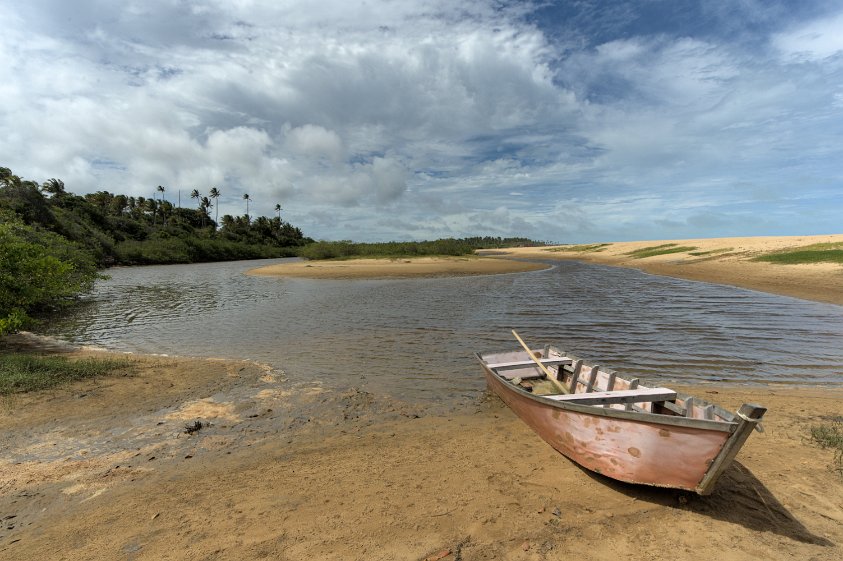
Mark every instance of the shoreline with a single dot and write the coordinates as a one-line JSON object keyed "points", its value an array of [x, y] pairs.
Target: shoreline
{"points": [[299, 472]]}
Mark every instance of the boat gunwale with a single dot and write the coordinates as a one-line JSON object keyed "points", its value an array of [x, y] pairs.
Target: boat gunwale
{"points": [[600, 411]]}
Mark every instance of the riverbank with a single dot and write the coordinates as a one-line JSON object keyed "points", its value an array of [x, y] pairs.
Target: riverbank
{"points": [[398, 268], [717, 260], [215, 459]]}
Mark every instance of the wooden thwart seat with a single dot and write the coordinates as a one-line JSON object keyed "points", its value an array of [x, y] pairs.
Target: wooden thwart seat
{"points": [[620, 396], [523, 363], [516, 375]]}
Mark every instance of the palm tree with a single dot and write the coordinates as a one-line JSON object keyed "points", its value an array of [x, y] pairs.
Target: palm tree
{"points": [[215, 194], [247, 198], [195, 194], [152, 208], [278, 209], [160, 189], [53, 186], [204, 206]]}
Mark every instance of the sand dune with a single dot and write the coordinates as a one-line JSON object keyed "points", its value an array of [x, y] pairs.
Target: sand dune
{"points": [[719, 260]]}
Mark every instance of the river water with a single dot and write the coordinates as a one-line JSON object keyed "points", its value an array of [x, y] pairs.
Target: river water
{"points": [[414, 339]]}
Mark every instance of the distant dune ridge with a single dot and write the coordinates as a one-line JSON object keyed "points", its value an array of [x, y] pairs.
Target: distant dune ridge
{"points": [[808, 267]]}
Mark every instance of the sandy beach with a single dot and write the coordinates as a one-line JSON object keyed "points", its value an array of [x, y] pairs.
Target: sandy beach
{"points": [[104, 469], [718, 260], [398, 268]]}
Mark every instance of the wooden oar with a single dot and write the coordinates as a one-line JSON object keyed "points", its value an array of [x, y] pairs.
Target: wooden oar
{"points": [[538, 362]]}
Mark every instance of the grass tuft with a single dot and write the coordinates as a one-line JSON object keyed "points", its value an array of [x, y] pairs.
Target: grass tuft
{"points": [[585, 248], [711, 251], [22, 372], [830, 435], [815, 253], [663, 249]]}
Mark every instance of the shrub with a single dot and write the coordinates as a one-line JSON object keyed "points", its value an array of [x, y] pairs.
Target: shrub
{"points": [[38, 270]]}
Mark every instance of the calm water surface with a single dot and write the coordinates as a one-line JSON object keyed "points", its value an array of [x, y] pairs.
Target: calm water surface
{"points": [[414, 339]]}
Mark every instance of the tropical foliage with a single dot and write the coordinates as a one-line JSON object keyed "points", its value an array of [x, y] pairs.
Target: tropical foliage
{"points": [[38, 271], [52, 242], [123, 230]]}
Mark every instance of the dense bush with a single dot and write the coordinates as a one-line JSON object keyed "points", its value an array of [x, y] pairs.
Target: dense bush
{"points": [[38, 270], [347, 249], [178, 250]]}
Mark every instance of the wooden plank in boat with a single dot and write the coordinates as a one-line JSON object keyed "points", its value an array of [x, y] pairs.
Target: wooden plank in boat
{"points": [[575, 376], [513, 374], [678, 409], [523, 363], [633, 384], [620, 396], [589, 387]]}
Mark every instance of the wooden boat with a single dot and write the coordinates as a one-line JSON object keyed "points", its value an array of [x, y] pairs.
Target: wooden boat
{"points": [[616, 427]]}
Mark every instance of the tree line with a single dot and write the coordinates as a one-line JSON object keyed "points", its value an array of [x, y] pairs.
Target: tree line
{"points": [[118, 229], [53, 242], [347, 249]]}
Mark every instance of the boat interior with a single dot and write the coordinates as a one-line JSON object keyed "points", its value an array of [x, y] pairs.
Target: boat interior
{"points": [[563, 377]]}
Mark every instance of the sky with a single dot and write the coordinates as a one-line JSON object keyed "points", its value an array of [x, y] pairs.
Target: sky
{"points": [[570, 122]]}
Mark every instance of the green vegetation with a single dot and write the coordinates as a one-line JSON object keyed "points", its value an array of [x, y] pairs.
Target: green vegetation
{"points": [[39, 271], [587, 248], [815, 253], [23, 372], [178, 250], [351, 250], [830, 436], [711, 251], [663, 249], [118, 229], [52, 242]]}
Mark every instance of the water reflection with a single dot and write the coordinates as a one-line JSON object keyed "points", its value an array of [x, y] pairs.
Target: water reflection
{"points": [[415, 338]]}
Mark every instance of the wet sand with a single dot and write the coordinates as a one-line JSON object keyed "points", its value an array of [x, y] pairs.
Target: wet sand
{"points": [[728, 261], [398, 268], [104, 469]]}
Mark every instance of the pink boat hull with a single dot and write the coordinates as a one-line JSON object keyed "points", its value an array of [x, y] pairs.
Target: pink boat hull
{"points": [[623, 449]]}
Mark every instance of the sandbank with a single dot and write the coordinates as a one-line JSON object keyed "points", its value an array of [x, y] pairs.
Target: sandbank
{"points": [[728, 261], [103, 469], [398, 268]]}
